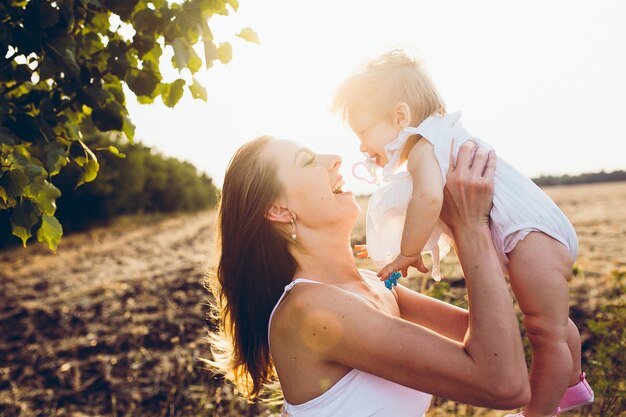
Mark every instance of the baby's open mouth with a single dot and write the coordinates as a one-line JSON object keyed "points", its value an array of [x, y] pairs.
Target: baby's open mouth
{"points": [[375, 159]]}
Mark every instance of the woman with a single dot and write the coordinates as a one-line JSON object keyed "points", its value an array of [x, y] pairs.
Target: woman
{"points": [[294, 304]]}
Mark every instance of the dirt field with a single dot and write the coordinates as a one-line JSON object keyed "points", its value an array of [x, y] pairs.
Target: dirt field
{"points": [[114, 323]]}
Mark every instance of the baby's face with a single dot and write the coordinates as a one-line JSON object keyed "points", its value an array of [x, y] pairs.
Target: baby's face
{"points": [[374, 136]]}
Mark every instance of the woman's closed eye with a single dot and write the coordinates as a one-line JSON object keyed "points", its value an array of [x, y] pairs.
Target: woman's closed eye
{"points": [[305, 157], [311, 160]]}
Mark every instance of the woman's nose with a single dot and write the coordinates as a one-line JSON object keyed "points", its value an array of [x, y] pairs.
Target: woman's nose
{"points": [[362, 148]]}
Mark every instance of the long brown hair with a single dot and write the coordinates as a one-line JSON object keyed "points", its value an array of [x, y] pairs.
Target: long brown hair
{"points": [[254, 265]]}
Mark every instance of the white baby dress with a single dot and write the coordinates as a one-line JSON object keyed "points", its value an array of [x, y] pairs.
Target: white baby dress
{"points": [[519, 206]]}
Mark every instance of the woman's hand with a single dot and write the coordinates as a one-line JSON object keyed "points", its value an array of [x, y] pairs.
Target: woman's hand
{"points": [[469, 187]]}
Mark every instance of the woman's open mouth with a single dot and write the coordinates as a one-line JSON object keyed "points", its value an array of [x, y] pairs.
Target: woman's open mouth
{"points": [[337, 187]]}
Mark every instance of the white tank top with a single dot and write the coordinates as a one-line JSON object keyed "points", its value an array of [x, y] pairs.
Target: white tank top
{"points": [[358, 393]]}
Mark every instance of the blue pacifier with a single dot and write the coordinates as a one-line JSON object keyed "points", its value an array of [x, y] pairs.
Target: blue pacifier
{"points": [[392, 281]]}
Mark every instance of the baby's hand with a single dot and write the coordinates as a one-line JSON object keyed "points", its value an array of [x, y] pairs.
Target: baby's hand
{"points": [[402, 263], [361, 251]]}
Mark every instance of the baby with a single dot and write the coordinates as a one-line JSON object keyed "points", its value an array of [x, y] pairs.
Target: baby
{"points": [[400, 119]]}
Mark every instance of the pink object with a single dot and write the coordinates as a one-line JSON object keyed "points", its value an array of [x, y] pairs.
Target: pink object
{"points": [[520, 414], [576, 396], [370, 169]]}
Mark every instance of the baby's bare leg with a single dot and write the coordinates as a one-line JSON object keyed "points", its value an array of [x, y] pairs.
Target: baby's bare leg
{"points": [[573, 342], [539, 268]]}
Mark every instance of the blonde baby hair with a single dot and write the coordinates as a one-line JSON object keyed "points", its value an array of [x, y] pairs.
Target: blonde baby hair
{"points": [[378, 86]]}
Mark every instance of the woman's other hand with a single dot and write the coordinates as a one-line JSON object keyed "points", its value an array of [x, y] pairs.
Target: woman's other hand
{"points": [[469, 187]]}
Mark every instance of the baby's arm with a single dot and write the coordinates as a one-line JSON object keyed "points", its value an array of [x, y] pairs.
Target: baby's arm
{"points": [[423, 210]]}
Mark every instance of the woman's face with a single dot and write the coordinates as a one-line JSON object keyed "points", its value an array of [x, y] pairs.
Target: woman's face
{"points": [[312, 186]]}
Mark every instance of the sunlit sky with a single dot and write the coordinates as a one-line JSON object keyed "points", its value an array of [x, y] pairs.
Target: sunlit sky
{"points": [[543, 81]]}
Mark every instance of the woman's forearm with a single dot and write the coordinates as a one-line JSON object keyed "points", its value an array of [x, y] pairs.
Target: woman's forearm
{"points": [[493, 337]]}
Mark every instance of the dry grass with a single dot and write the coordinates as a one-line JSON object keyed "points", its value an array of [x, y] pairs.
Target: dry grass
{"points": [[114, 324]]}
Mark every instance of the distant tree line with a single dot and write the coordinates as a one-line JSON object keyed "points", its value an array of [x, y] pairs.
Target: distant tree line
{"points": [[137, 179], [587, 178]]}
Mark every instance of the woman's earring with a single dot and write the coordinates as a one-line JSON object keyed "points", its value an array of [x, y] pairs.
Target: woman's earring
{"points": [[293, 229]]}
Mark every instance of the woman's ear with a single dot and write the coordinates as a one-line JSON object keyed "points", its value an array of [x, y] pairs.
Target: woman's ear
{"points": [[278, 213], [402, 115]]}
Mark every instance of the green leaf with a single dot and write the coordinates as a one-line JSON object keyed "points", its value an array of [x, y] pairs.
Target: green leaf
{"points": [[7, 137], [117, 92], [56, 157], [182, 53], [44, 194], [225, 52], [73, 130], [107, 119], [96, 95], [34, 171], [173, 92], [119, 66], [91, 4], [207, 35], [3, 195], [145, 99], [143, 83], [22, 73], [23, 218], [189, 27], [146, 21], [116, 152], [67, 56], [249, 35], [153, 55], [48, 15], [50, 231], [143, 44], [14, 182], [194, 63], [122, 8], [128, 129], [197, 90], [47, 69], [77, 153], [234, 4], [90, 172], [210, 53]]}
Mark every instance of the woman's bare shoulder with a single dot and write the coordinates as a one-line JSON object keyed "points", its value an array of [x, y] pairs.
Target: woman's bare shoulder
{"points": [[305, 297], [311, 315]]}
